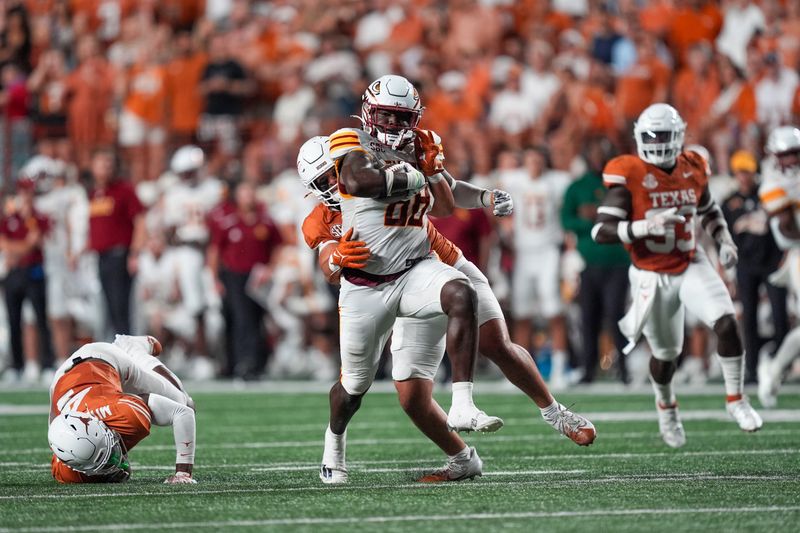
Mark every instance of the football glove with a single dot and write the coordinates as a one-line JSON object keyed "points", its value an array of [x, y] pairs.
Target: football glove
{"points": [[503, 204], [429, 151], [658, 224], [349, 253]]}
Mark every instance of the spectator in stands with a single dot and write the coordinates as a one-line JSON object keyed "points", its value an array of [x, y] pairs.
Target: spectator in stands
{"points": [[742, 20], [244, 245], [91, 91], [116, 234], [224, 85], [22, 229], [604, 281], [48, 87], [775, 93], [142, 119], [15, 127], [185, 103], [759, 256]]}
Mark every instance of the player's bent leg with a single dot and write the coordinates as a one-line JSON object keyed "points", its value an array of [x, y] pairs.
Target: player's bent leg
{"points": [[730, 350], [771, 372], [669, 421]]}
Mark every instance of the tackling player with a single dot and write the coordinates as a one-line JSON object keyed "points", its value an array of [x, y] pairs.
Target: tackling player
{"points": [[780, 194], [650, 207], [418, 345], [103, 399]]}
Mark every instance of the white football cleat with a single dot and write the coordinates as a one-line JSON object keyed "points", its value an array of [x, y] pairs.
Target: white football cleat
{"points": [[472, 419], [575, 427], [180, 478], [767, 386], [669, 425], [333, 475], [744, 415], [456, 469]]}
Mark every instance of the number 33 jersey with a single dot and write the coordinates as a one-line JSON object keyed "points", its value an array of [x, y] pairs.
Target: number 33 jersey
{"points": [[394, 229], [653, 190]]}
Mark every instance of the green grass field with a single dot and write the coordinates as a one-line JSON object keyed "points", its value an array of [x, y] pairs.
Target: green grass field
{"points": [[258, 456]]}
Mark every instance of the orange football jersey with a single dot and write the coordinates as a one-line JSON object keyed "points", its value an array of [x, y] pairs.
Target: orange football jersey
{"points": [[324, 225], [652, 190], [94, 387]]}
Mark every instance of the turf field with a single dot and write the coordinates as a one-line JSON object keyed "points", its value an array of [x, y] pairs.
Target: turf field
{"points": [[258, 456]]}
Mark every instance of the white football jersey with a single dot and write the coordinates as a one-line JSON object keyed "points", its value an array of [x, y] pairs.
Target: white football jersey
{"points": [[779, 189], [394, 229], [186, 207], [58, 205], [537, 206]]}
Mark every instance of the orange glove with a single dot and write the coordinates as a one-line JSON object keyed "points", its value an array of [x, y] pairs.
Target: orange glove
{"points": [[349, 253], [429, 151]]}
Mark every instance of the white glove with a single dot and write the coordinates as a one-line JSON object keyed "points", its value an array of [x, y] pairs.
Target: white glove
{"points": [[503, 204], [728, 253], [180, 478], [657, 225]]}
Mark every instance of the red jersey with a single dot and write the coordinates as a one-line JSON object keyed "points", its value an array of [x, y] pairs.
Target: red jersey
{"points": [[111, 213], [653, 189], [324, 225], [245, 243], [94, 387], [466, 228], [14, 227]]}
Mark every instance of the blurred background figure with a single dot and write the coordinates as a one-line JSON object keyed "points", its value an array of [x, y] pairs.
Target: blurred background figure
{"points": [[604, 278], [116, 234], [759, 256], [242, 254], [22, 230]]}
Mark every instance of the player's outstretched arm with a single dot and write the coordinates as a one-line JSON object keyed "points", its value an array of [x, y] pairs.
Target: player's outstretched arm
{"points": [[713, 221], [361, 177], [167, 412], [469, 196]]}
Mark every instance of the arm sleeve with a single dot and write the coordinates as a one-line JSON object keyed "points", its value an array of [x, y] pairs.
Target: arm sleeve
{"points": [[168, 412], [468, 196]]}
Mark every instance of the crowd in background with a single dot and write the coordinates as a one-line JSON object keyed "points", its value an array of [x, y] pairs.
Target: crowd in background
{"points": [[97, 96]]}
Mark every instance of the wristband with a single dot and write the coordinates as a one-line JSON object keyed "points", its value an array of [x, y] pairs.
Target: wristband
{"points": [[622, 232], [388, 175], [638, 229]]}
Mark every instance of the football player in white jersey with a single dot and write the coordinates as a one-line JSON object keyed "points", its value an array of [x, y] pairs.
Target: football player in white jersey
{"points": [[186, 204], [417, 344], [780, 194], [385, 201], [537, 193]]}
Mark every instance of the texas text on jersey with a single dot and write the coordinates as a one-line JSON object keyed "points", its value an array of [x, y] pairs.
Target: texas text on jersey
{"points": [[654, 190]]}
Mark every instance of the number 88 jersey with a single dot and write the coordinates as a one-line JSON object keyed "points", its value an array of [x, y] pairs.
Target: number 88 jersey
{"points": [[394, 229], [652, 190]]}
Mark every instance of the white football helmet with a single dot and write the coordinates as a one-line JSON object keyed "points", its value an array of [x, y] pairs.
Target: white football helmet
{"points": [[659, 135], [396, 95], [85, 444], [189, 158], [315, 166], [783, 139]]}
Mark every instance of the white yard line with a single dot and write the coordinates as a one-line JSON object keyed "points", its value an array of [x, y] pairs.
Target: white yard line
{"points": [[633, 478], [317, 443], [420, 518]]}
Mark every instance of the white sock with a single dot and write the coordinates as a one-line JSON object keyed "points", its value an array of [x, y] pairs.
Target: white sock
{"points": [[550, 410], [733, 375], [462, 394], [664, 395], [335, 446], [463, 454], [790, 348]]}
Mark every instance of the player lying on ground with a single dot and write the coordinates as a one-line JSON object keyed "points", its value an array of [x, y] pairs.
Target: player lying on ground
{"points": [[650, 207], [418, 345], [780, 194], [103, 399]]}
